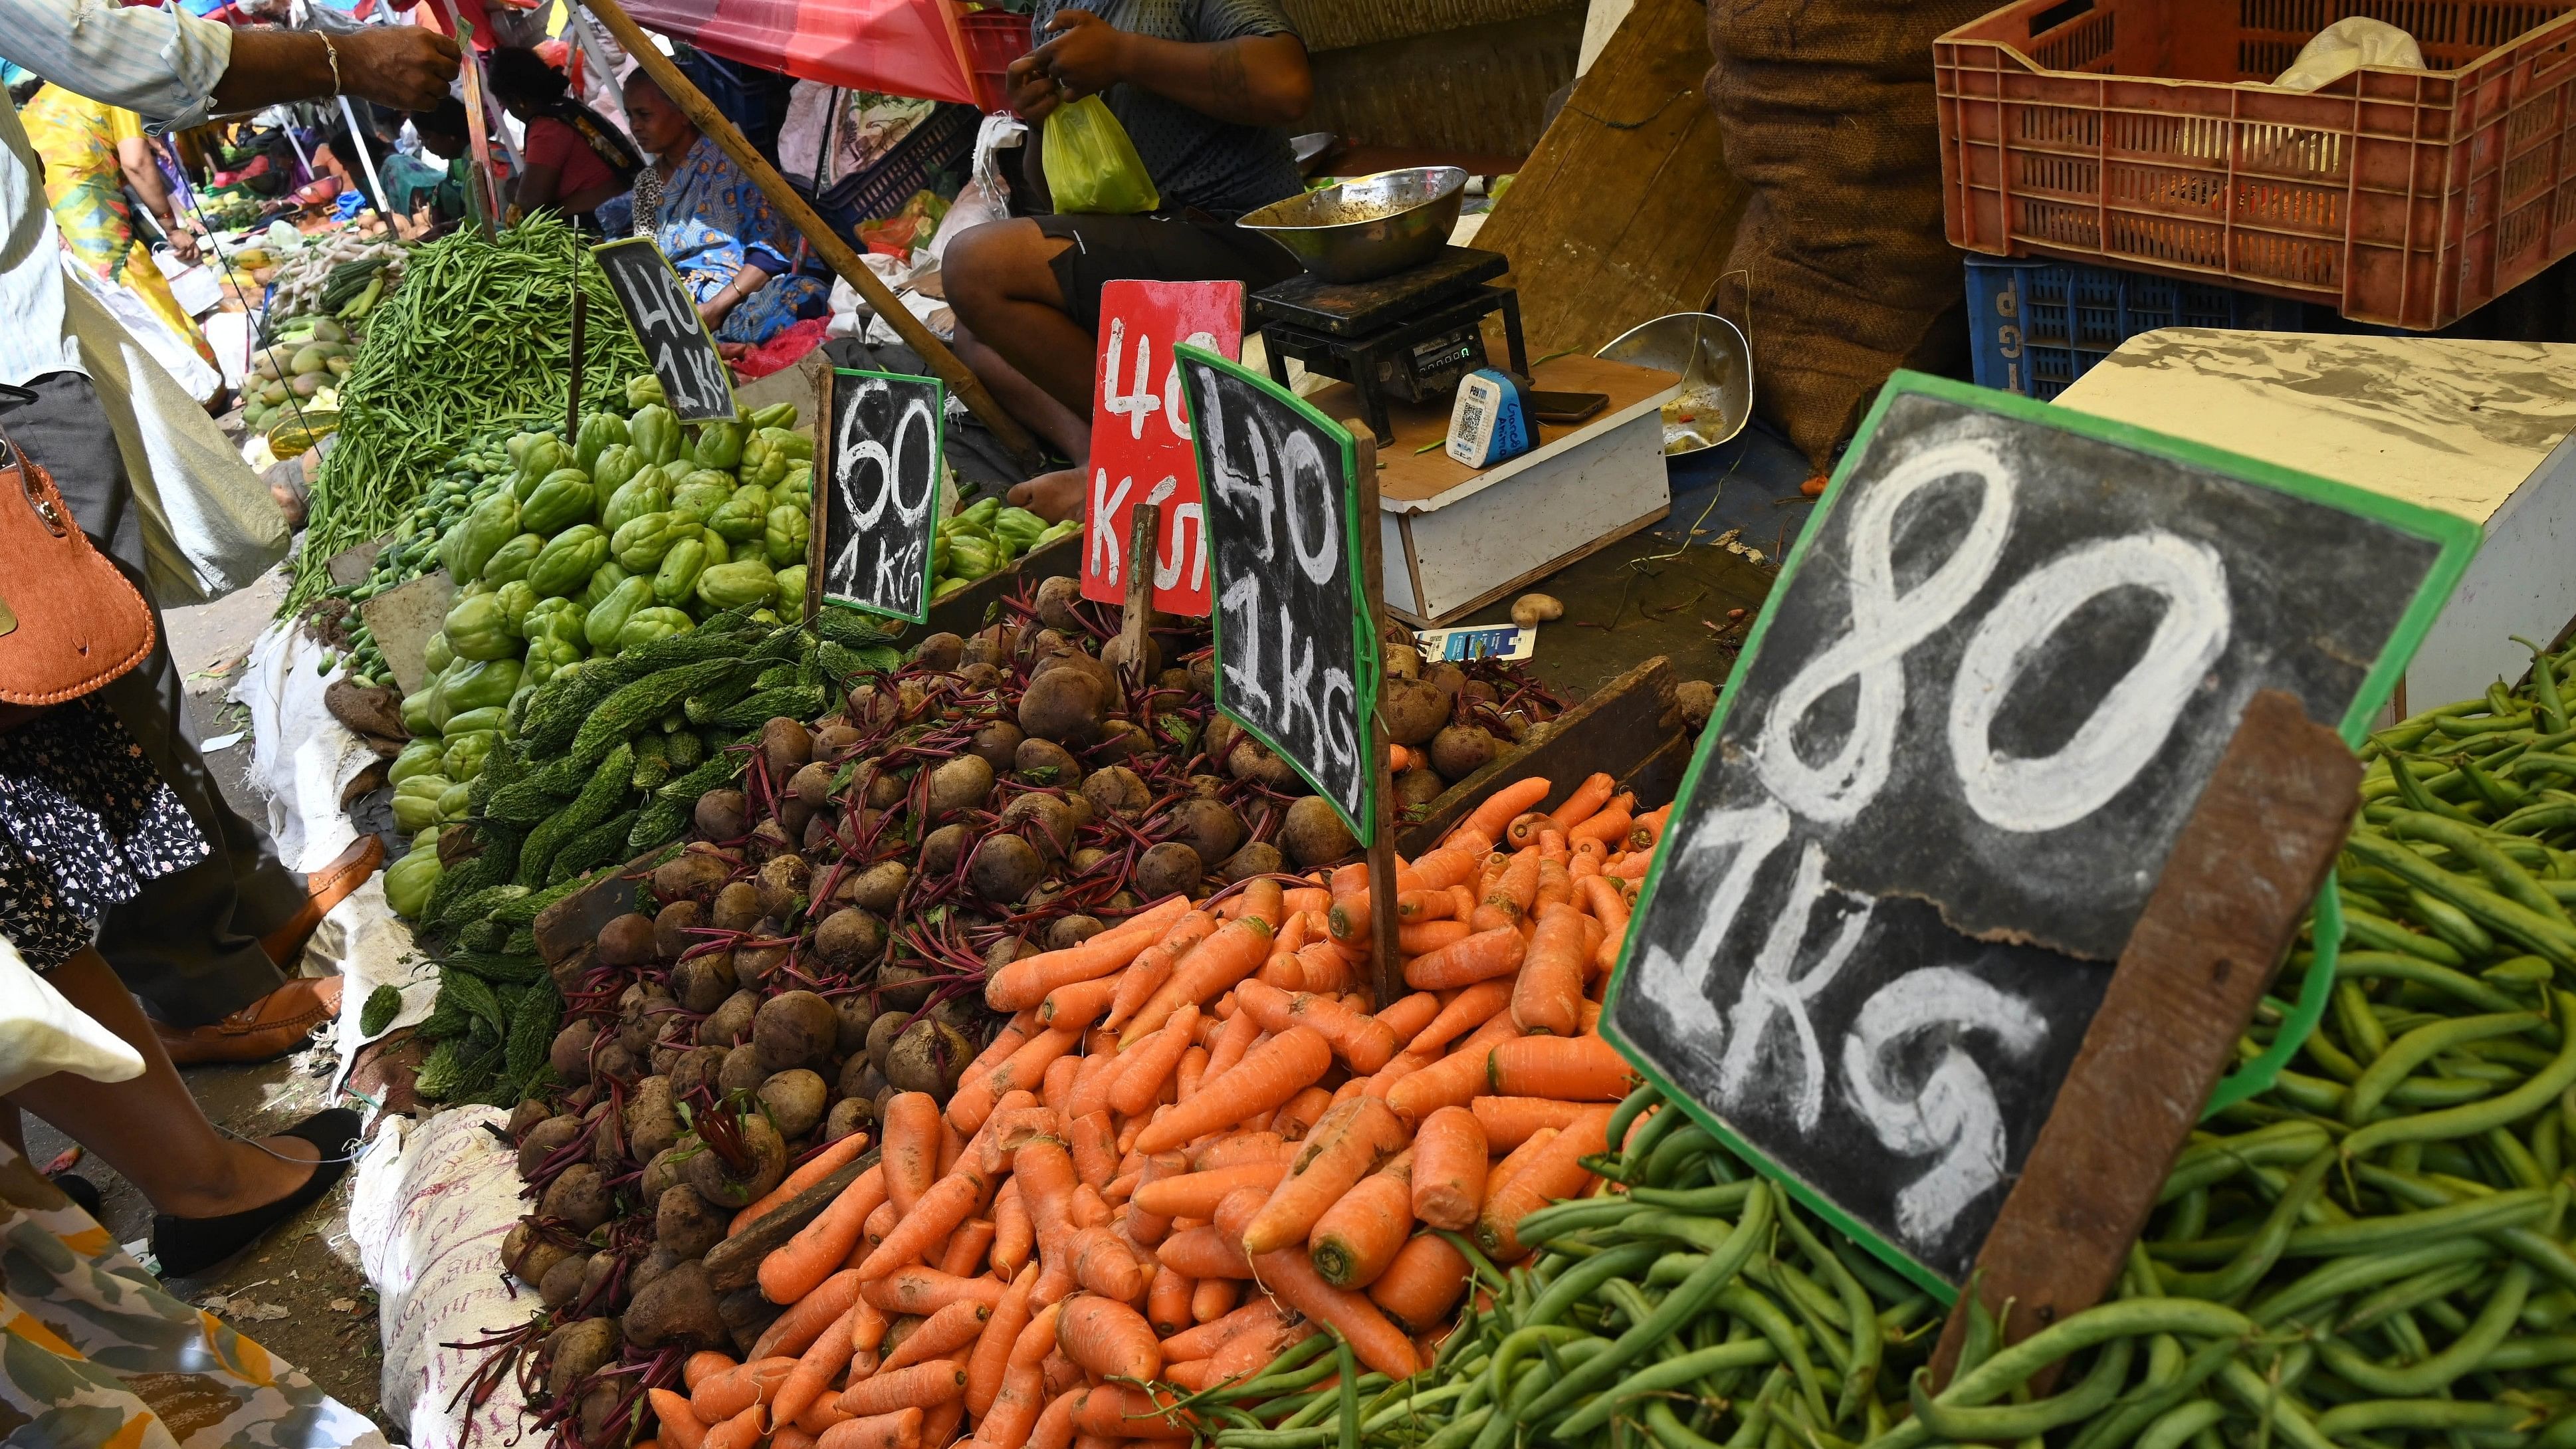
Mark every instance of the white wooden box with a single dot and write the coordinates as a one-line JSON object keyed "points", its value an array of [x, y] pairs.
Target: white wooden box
{"points": [[2480, 429], [1457, 539]]}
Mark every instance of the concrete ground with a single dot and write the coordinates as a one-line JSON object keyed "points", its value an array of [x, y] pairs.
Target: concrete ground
{"points": [[299, 1292]]}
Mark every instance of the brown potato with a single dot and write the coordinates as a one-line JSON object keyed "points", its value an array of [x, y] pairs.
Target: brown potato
{"points": [[1004, 869], [626, 942], [1314, 833], [849, 939], [722, 815], [795, 1101], [702, 983], [1461, 750], [795, 1029], [677, 1310], [737, 907], [1168, 868]]}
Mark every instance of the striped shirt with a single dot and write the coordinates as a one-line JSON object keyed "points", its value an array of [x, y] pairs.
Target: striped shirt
{"points": [[159, 62]]}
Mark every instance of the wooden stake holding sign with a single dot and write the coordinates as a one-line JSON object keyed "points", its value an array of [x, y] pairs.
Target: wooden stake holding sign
{"points": [[1136, 614], [827, 243], [2028, 700], [1292, 560]]}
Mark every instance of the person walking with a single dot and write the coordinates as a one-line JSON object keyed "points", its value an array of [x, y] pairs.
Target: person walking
{"points": [[201, 945]]}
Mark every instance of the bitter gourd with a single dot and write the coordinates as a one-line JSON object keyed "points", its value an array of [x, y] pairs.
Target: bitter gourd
{"points": [[637, 705], [606, 790], [794, 701], [652, 760], [593, 848]]}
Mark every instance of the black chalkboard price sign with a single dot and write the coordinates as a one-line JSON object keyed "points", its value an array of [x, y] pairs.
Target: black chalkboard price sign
{"points": [[881, 454], [1294, 664], [666, 322], [1963, 737]]}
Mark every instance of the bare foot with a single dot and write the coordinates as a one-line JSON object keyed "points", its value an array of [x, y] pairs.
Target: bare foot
{"points": [[1054, 497]]}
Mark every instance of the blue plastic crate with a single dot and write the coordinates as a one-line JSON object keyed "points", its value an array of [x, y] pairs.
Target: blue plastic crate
{"points": [[942, 142], [2035, 327]]}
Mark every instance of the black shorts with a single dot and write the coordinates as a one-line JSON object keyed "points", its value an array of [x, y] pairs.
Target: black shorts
{"points": [[1190, 248]]}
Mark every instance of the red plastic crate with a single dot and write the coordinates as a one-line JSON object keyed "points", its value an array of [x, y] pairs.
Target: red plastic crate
{"points": [[994, 38], [2122, 131]]}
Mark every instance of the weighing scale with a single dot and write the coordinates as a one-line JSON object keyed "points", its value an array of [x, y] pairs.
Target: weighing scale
{"points": [[1410, 336]]}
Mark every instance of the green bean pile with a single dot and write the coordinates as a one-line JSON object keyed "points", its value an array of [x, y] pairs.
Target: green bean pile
{"points": [[2371, 1254], [477, 339]]}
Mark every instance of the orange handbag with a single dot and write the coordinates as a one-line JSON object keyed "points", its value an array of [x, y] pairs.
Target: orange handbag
{"points": [[69, 620]]}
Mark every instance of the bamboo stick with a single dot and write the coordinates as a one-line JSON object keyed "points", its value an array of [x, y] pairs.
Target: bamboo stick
{"points": [[826, 243]]}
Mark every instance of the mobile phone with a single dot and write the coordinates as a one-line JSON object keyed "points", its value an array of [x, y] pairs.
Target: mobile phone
{"points": [[1566, 407]]}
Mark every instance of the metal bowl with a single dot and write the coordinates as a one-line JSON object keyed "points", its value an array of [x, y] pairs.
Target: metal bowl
{"points": [[1716, 369], [1359, 230]]}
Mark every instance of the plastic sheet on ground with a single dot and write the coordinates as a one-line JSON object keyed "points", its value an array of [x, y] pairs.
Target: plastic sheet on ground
{"points": [[369, 945], [301, 757], [432, 1202]]}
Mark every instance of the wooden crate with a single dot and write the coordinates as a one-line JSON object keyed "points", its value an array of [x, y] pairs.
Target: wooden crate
{"points": [[1631, 731]]}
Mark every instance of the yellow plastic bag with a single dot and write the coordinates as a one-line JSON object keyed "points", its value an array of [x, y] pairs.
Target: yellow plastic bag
{"points": [[1091, 166]]}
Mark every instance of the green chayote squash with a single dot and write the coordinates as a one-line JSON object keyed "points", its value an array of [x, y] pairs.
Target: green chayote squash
{"points": [[470, 544], [603, 581], [739, 519], [615, 464], [420, 757], [609, 615], [641, 544], [470, 685], [776, 415], [540, 460], [732, 585], [719, 445], [568, 560], [561, 499], [646, 625], [598, 432], [784, 535], [415, 711], [677, 580], [644, 390], [646, 492], [551, 618], [409, 880], [701, 493], [791, 593], [511, 560], [479, 628], [485, 718], [796, 486], [467, 752], [458, 798], [436, 654], [655, 432], [514, 599]]}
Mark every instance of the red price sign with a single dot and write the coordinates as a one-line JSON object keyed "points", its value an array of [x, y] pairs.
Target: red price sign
{"points": [[1140, 435]]}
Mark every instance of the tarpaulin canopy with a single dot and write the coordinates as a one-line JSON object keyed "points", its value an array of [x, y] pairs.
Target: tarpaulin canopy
{"points": [[900, 47]]}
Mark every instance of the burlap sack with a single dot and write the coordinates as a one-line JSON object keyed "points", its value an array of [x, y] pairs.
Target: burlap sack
{"points": [[1829, 117]]}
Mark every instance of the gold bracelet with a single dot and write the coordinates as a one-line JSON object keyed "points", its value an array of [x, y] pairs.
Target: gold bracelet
{"points": [[333, 52]]}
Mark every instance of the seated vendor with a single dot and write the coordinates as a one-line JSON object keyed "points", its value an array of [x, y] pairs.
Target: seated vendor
{"points": [[728, 243], [574, 158], [1204, 89], [427, 197]]}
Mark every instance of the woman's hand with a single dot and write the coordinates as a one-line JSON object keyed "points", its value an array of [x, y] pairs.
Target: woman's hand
{"points": [[714, 309], [183, 243]]}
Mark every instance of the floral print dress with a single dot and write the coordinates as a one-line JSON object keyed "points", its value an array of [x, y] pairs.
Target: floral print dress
{"points": [[84, 821], [713, 220]]}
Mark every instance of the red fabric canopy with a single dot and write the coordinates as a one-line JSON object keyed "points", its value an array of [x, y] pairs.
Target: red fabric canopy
{"points": [[900, 47]]}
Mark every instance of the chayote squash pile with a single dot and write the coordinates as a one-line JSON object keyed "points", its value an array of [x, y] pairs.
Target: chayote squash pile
{"points": [[634, 530]]}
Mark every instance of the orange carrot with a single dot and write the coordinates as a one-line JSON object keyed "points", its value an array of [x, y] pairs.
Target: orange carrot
{"points": [[1363, 1041], [1292, 1280], [1648, 828], [1190, 1073], [821, 1165], [1203, 1253], [1103, 1264], [1260, 1315], [964, 1255], [1449, 1152], [1153, 966], [1268, 1076], [1302, 1112], [1587, 798], [1507, 1122], [1167, 1303], [807, 1317], [1338, 1153], [1546, 995], [1484, 825], [1413, 907], [1633, 865], [1408, 1015], [1233, 1039], [1487, 954], [1196, 1194], [1510, 897], [822, 1362], [1237, 1148], [1348, 919], [1061, 1075], [747, 1386], [1325, 966], [1555, 1171], [869, 1328], [911, 1159], [915, 1289], [1230, 953], [992, 1355], [1469, 1009], [943, 1333], [924, 1386], [742, 1431], [1014, 1034], [1358, 1236], [1015, 1406], [1424, 1282], [1108, 1338], [704, 1365], [1026, 1070], [1149, 1064], [1115, 1413], [1268, 900], [681, 1426], [1398, 1067], [1608, 906], [1013, 1237], [1445, 867], [1513, 1163], [898, 1430], [1054, 1428], [1091, 1084], [1025, 983], [1214, 1298], [1452, 1081], [818, 1248], [1080, 1003], [1611, 825], [1570, 1069], [1523, 833], [1555, 887]]}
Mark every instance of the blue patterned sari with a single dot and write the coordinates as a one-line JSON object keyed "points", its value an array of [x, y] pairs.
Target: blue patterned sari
{"points": [[714, 220]]}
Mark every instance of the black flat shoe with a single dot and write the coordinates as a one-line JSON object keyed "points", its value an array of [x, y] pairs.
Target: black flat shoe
{"points": [[82, 1192], [188, 1246]]}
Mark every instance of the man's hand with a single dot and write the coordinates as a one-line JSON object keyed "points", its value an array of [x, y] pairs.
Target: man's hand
{"points": [[1087, 56], [406, 67], [1033, 92]]}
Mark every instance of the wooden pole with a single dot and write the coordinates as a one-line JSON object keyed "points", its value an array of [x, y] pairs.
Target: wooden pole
{"points": [[1386, 970], [826, 243], [572, 394], [1144, 526]]}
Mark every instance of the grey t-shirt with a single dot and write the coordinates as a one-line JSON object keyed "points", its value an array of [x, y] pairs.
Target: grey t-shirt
{"points": [[1195, 159]]}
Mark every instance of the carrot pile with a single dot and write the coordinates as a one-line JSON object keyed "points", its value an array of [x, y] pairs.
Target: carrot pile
{"points": [[1197, 1142]]}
